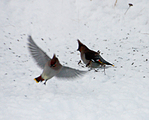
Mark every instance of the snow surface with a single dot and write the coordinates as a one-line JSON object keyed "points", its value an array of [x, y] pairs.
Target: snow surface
{"points": [[55, 25]]}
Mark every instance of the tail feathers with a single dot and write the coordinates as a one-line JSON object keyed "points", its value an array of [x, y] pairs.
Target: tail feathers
{"points": [[105, 62], [39, 79]]}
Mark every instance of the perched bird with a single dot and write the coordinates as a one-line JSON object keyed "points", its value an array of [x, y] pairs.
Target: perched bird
{"points": [[91, 58], [51, 67]]}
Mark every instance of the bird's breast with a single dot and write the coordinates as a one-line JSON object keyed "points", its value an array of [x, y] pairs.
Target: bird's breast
{"points": [[84, 59]]}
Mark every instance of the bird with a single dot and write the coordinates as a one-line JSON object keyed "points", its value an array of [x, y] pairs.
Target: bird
{"points": [[91, 58], [51, 66]]}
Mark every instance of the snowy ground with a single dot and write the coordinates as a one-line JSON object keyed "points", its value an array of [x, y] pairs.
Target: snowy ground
{"points": [[55, 25]]}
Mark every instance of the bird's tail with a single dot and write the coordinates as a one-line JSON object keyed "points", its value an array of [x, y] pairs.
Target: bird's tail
{"points": [[105, 62], [39, 79]]}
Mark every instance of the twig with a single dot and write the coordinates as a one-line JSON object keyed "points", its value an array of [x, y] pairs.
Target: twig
{"points": [[115, 3], [128, 8]]}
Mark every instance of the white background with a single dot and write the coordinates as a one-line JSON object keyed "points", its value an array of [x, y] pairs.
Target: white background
{"points": [[55, 25]]}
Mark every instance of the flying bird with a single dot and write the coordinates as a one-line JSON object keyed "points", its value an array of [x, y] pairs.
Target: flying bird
{"points": [[51, 67]]}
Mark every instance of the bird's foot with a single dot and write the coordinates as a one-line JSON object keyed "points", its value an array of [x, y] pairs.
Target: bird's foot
{"points": [[45, 82], [89, 69], [88, 64], [79, 62], [104, 69]]}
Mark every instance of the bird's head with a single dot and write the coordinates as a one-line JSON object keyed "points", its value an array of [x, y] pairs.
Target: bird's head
{"points": [[81, 45], [82, 48], [54, 61]]}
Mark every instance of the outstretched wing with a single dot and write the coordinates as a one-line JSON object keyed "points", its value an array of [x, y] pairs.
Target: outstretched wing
{"points": [[38, 54], [67, 72]]}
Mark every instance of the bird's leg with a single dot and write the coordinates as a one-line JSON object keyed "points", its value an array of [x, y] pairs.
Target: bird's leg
{"points": [[45, 82], [104, 69], [88, 63], [79, 62], [96, 70], [90, 69]]}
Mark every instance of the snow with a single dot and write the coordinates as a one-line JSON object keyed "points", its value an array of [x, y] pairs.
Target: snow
{"points": [[55, 25]]}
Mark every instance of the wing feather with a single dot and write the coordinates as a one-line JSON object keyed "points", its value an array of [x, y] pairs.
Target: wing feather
{"points": [[38, 54], [67, 72]]}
